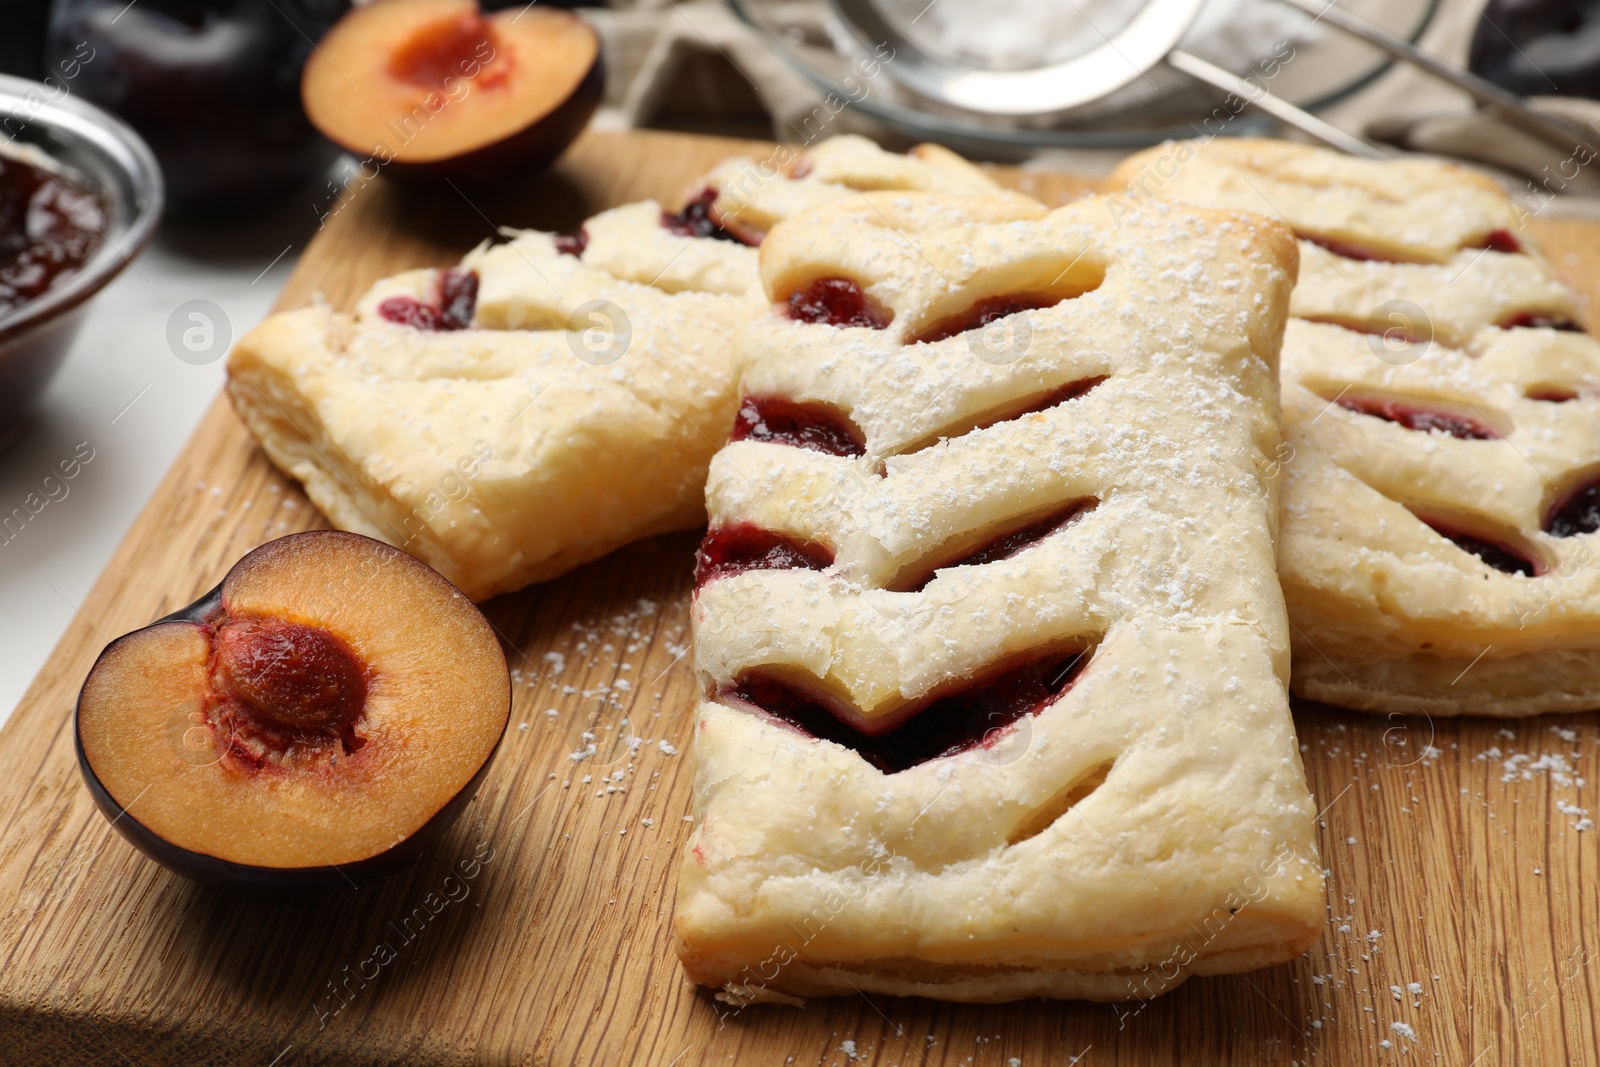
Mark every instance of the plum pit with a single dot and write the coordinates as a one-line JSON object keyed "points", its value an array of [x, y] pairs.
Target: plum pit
{"points": [[281, 684], [243, 709]]}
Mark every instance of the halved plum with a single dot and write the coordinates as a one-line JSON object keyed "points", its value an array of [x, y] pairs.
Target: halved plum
{"points": [[319, 719], [437, 89]]}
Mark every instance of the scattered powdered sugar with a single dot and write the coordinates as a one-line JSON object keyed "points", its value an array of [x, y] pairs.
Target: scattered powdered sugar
{"points": [[1559, 769], [1581, 814]]}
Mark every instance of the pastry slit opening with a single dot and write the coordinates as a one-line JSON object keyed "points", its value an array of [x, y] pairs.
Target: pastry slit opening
{"points": [[1577, 510], [1540, 320], [1051, 811], [982, 313], [983, 713], [989, 547], [1495, 551], [837, 302], [1550, 394], [698, 218], [1395, 330], [1032, 404], [813, 425], [1426, 416], [454, 304], [731, 550]]}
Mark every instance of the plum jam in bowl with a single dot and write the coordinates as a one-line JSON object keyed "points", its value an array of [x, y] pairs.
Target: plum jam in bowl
{"points": [[80, 196]]}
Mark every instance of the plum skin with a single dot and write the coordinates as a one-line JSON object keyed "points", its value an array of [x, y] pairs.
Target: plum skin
{"points": [[226, 874]]}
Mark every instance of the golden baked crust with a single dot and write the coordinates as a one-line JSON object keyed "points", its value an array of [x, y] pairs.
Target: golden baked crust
{"points": [[754, 195], [1392, 610], [498, 454], [629, 242], [745, 198], [509, 452], [1149, 822]]}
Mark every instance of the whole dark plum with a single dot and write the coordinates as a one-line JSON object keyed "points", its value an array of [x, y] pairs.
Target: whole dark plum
{"points": [[1539, 47], [212, 85]]}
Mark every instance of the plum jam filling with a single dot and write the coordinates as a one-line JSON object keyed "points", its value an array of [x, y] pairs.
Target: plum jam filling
{"points": [[1496, 241], [1501, 241], [819, 427], [978, 715], [1499, 556], [836, 302], [1421, 419], [1348, 249], [733, 550], [1397, 334], [458, 299], [1551, 394], [281, 685], [698, 219], [1002, 547], [1028, 406], [1539, 320], [574, 245], [989, 309], [1578, 512], [1059, 395], [50, 226]]}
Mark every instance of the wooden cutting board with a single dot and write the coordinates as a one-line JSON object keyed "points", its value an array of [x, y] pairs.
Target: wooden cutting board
{"points": [[1463, 904]]}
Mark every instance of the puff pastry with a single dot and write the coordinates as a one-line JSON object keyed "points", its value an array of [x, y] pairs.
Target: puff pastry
{"points": [[1445, 425], [993, 656], [513, 449], [477, 430], [742, 198]]}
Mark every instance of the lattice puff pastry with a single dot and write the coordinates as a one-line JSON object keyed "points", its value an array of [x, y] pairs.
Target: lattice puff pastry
{"points": [[1434, 551], [511, 450], [993, 655], [741, 199]]}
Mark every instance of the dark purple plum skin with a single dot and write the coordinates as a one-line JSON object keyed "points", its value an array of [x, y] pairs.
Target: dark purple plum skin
{"points": [[225, 874]]}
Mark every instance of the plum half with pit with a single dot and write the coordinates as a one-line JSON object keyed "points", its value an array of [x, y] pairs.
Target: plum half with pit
{"points": [[317, 720], [1539, 47], [434, 89]]}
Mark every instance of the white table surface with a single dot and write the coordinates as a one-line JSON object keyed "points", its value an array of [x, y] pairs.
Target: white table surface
{"points": [[135, 403]]}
